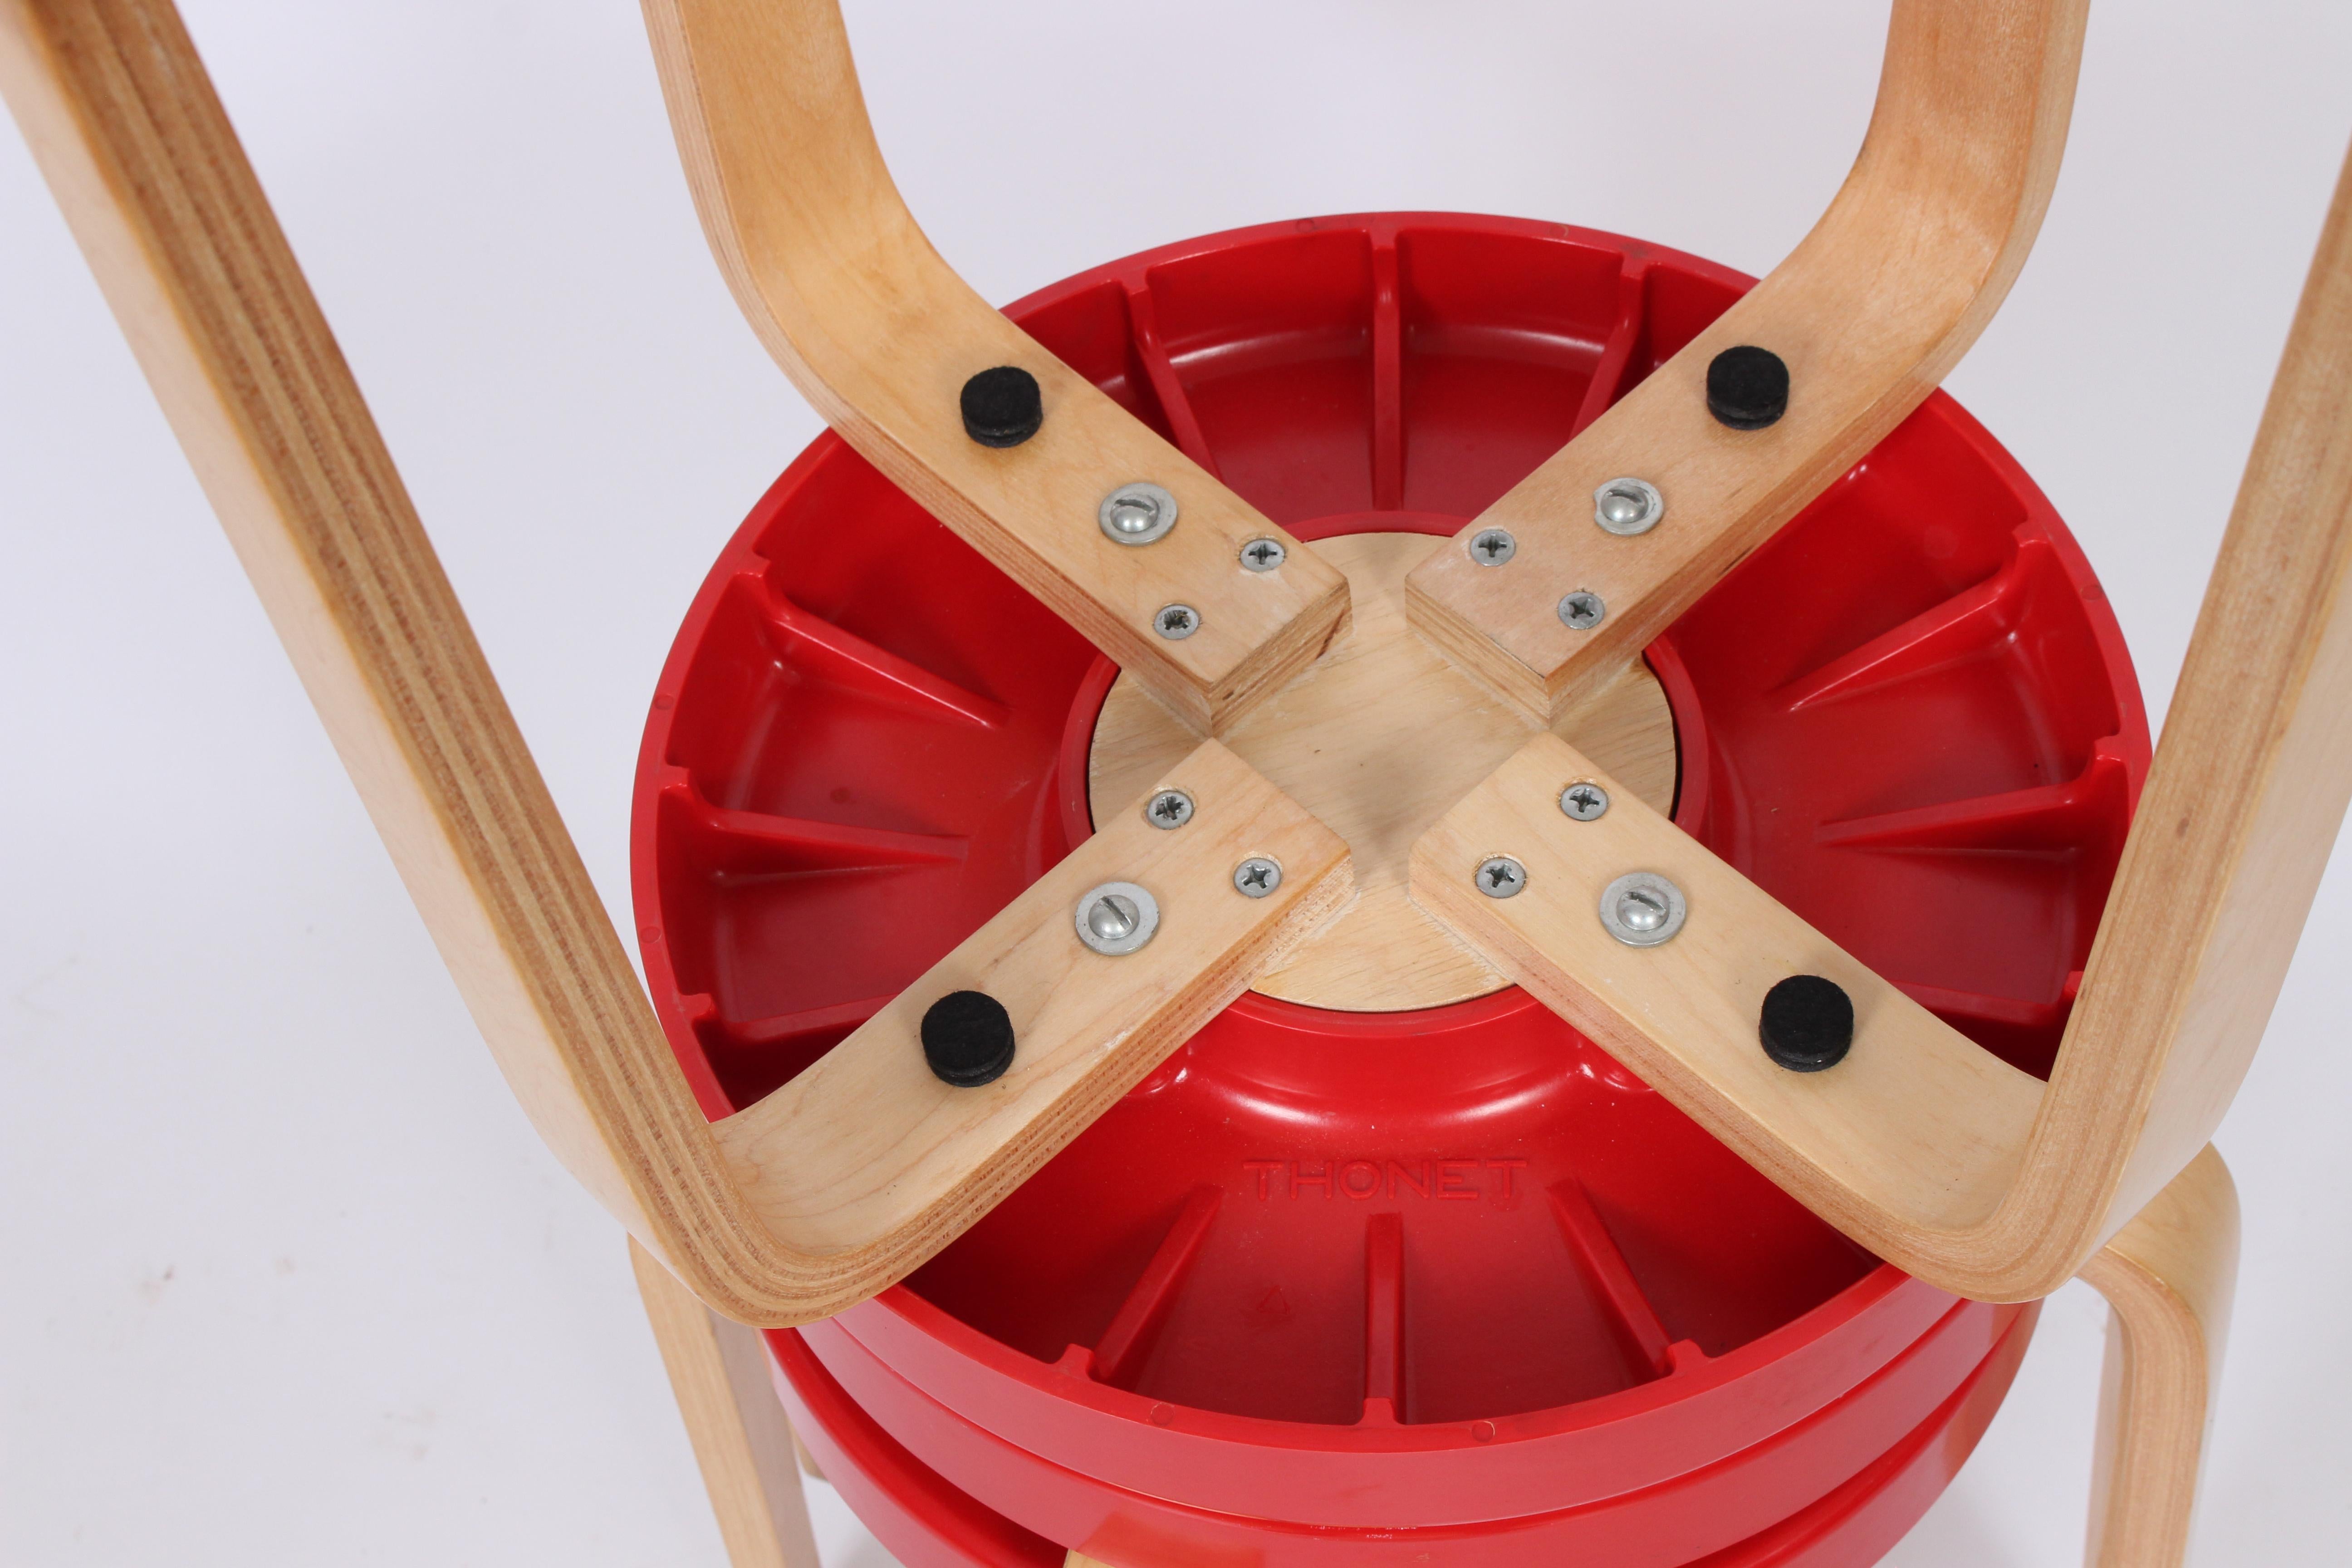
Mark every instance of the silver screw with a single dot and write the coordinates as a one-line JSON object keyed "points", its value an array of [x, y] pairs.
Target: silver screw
{"points": [[1501, 877], [1584, 800], [1492, 547], [1137, 513], [1643, 908], [1262, 555], [1170, 808], [1628, 506], [1116, 917], [1581, 611], [1257, 877], [1176, 622]]}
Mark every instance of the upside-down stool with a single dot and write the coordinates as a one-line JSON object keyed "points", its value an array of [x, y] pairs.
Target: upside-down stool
{"points": [[1387, 890]]}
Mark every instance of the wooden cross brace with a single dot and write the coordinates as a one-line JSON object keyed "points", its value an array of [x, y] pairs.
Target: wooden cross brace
{"points": [[1974, 1176]]}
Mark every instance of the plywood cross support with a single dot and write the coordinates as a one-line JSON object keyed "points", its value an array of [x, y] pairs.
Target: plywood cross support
{"points": [[1909, 1141], [880, 336], [1869, 312], [867, 1156], [1969, 1175]]}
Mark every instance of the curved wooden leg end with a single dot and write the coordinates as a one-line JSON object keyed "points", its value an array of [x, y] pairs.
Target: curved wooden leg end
{"points": [[2167, 1277], [719, 1370]]}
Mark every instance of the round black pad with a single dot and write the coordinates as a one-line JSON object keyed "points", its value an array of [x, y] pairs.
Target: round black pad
{"points": [[1003, 407], [968, 1038], [1747, 387], [1808, 1023]]}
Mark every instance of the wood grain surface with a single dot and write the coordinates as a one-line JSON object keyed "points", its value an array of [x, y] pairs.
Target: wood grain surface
{"points": [[1376, 740], [880, 336], [1869, 312], [867, 1152], [126, 128], [2248, 789], [1916, 1132], [742, 1440], [129, 134], [2170, 1276]]}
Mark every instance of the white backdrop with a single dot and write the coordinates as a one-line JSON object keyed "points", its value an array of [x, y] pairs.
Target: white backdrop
{"points": [[288, 1279]]}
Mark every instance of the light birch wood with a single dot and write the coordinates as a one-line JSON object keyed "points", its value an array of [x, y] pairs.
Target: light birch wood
{"points": [[742, 1440], [880, 336], [126, 129], [1870, 312], [125, 126], [2208, 905], [1916, 1131], [1376, 740], [867, 1152], [2169, 1278], [2215, 884]]}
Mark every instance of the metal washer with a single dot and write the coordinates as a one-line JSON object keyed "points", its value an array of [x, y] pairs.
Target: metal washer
{"points": [[1676, 907], [1147, 919], [1643, 495], [1141, 493]]}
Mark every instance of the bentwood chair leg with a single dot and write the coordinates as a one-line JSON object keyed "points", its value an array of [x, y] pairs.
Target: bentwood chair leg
{"points": [[2169, 1278], [751, 1460]]}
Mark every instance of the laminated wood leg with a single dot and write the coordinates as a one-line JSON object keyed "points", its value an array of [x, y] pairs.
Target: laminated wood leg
{"points": [[122, 118], [749, 1455], [1935, 1155], [2169, 1276]]}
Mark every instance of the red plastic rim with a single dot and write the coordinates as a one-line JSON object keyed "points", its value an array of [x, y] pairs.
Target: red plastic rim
{"points": [[930, 1518], [1416, 1270]]}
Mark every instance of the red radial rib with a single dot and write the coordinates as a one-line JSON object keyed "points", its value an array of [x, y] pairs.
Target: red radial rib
{"points": [[1968, 623], [815, 646], [1120, 1353], [1612, 377], [1183, 424], [2052, 816], [1384, 1318], [1605, 1269]]}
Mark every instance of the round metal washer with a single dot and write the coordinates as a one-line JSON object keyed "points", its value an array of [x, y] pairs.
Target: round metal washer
{"points": [[1137, 513], [1642, 909], [1628, 506], [1132, 919]]}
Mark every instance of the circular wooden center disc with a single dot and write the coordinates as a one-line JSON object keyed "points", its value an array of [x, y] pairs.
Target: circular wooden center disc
{"points": [[1378, 741]]}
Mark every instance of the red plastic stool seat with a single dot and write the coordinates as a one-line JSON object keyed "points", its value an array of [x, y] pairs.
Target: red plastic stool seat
{"points": [[1352, 1287]]}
